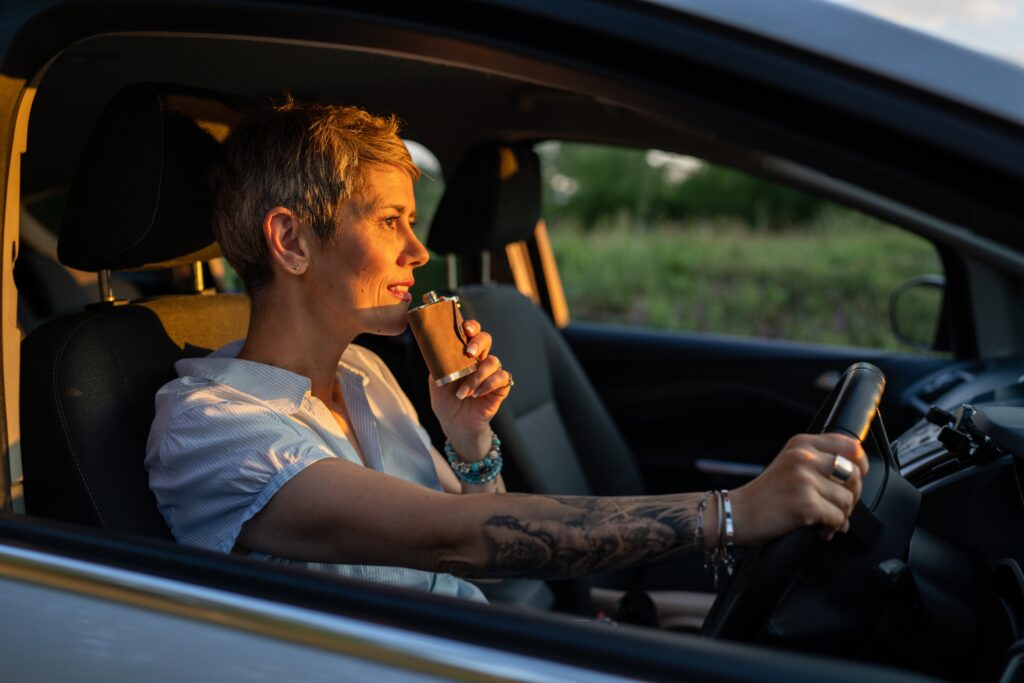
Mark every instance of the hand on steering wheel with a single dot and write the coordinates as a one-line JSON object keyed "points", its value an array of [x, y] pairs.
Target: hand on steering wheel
{"points": [[800, 475], [798, 489]]}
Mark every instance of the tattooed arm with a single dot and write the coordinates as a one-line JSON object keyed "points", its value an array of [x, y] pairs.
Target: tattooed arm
{"points": [[336, 511], [555, 537], [558, 537]]}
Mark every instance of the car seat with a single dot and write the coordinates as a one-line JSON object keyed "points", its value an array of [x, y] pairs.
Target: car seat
{"points": [[558, 435], [139, 200]]}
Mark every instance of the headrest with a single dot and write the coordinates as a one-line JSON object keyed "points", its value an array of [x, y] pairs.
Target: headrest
{"points": [[491, 200], [140, 197]]}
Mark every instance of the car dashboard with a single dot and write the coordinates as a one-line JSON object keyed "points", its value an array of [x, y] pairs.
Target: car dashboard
{"points": [[966, 457], [971, 414], [930, 577]]}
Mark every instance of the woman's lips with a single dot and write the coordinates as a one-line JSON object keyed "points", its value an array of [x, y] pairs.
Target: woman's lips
{"points": [[400, 290]]}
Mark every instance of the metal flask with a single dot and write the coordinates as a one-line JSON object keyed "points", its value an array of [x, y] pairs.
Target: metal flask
{"points": [[437, 326]]}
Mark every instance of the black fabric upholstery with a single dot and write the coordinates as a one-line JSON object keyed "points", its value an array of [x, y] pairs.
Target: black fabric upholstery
{"points": [[553, 426], [493, 199], [140, 195], [87, 403]]}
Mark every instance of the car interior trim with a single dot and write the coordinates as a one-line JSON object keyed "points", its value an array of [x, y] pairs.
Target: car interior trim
{"points": [[736, 469], [990, 292], [11, 497]]}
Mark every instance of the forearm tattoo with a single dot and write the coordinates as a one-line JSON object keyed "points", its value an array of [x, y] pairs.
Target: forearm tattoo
{"points": [[560, 537]]}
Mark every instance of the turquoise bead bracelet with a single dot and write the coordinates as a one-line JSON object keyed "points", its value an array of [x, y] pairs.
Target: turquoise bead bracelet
{"points": [[479, 472]]}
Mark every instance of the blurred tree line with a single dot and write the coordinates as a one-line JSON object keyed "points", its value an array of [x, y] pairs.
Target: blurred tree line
{"points": [[590, 185]]}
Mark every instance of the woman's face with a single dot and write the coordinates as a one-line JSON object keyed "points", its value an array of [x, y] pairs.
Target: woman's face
{"points": [[362, 278]]}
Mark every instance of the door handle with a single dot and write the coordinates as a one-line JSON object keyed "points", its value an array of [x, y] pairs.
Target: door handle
{"points": [[827, 380], [728, 467]]}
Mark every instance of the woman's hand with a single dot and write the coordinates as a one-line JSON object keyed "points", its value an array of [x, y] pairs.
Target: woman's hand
{"points": [[795, 490], [465, 407]]}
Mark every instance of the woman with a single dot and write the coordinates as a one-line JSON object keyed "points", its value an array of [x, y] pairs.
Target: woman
{"points": [[297, 445]]}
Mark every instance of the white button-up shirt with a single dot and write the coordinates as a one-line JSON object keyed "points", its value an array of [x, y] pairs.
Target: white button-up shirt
{"points": [[229, 433]]}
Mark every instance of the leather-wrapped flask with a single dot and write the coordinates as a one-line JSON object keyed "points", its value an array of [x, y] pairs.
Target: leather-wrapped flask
{"points": [[437, 326]]}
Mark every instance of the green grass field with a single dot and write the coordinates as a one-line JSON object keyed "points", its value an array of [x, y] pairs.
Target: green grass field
{"points": [[828, 282]]}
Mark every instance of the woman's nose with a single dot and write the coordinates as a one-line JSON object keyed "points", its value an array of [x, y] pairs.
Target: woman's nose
{"points": [[415, 254]]}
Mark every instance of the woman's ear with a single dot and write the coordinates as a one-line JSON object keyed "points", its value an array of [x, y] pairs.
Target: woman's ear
{"points": [[287, 240]]}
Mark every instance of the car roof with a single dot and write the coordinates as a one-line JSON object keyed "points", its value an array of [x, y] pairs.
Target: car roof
{"points": [[877, 46]]}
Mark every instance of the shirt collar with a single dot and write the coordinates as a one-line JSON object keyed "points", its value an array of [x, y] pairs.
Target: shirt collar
{"points": [[282, 389]]}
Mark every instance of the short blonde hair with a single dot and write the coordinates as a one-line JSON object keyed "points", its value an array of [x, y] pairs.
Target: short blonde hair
{"points": [[309, 158]]}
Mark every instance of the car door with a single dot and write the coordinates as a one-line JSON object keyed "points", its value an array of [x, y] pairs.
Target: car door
{"points": [[706, 410]]}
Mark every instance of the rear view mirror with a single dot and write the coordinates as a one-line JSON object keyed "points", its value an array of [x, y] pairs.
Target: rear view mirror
{"points": [[915, 308]]}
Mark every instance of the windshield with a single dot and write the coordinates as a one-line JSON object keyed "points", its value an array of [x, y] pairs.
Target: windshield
{"points": [[993, 27]]}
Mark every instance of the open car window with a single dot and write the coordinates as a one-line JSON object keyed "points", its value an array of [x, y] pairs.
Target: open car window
{"points": [[650, 239]]}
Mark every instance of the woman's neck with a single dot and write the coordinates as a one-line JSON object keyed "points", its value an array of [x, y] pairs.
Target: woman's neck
{"points": [[292, 340]]}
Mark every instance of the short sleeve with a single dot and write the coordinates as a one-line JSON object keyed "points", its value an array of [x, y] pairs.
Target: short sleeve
{"points": [[216, 465]]}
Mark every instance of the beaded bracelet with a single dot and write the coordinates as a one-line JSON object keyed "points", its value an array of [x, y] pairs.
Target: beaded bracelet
{"points": [[479, 472]]}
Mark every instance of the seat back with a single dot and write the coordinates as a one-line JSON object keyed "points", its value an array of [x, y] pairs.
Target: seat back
{"points": [[87, 404], [558, 435], [553, 425], [139, 200]]}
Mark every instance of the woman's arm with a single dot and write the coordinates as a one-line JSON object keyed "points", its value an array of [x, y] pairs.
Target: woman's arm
{"points": [[336, 511], [567, 536]]}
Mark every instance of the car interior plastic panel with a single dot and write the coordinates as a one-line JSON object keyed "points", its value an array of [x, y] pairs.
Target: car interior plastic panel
{"points": [[88, 380]]}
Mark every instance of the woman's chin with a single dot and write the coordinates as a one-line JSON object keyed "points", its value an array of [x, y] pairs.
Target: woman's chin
{"points": [[389, 328], [387, 320]]}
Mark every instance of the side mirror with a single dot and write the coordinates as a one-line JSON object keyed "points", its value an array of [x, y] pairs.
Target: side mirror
{"points": [[915, 308]]}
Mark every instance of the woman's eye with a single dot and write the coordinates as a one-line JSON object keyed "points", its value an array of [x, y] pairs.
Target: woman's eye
{"points": [[391, 221]]}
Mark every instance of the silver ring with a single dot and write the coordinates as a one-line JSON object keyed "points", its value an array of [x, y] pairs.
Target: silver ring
{"points": [[511, 382], [842, 470]]}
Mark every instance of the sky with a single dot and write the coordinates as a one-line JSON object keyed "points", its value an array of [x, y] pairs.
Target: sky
{"points": [[995, 27]]}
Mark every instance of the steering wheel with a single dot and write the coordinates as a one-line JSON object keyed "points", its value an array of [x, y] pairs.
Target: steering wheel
{"points": [[821, 588]]}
